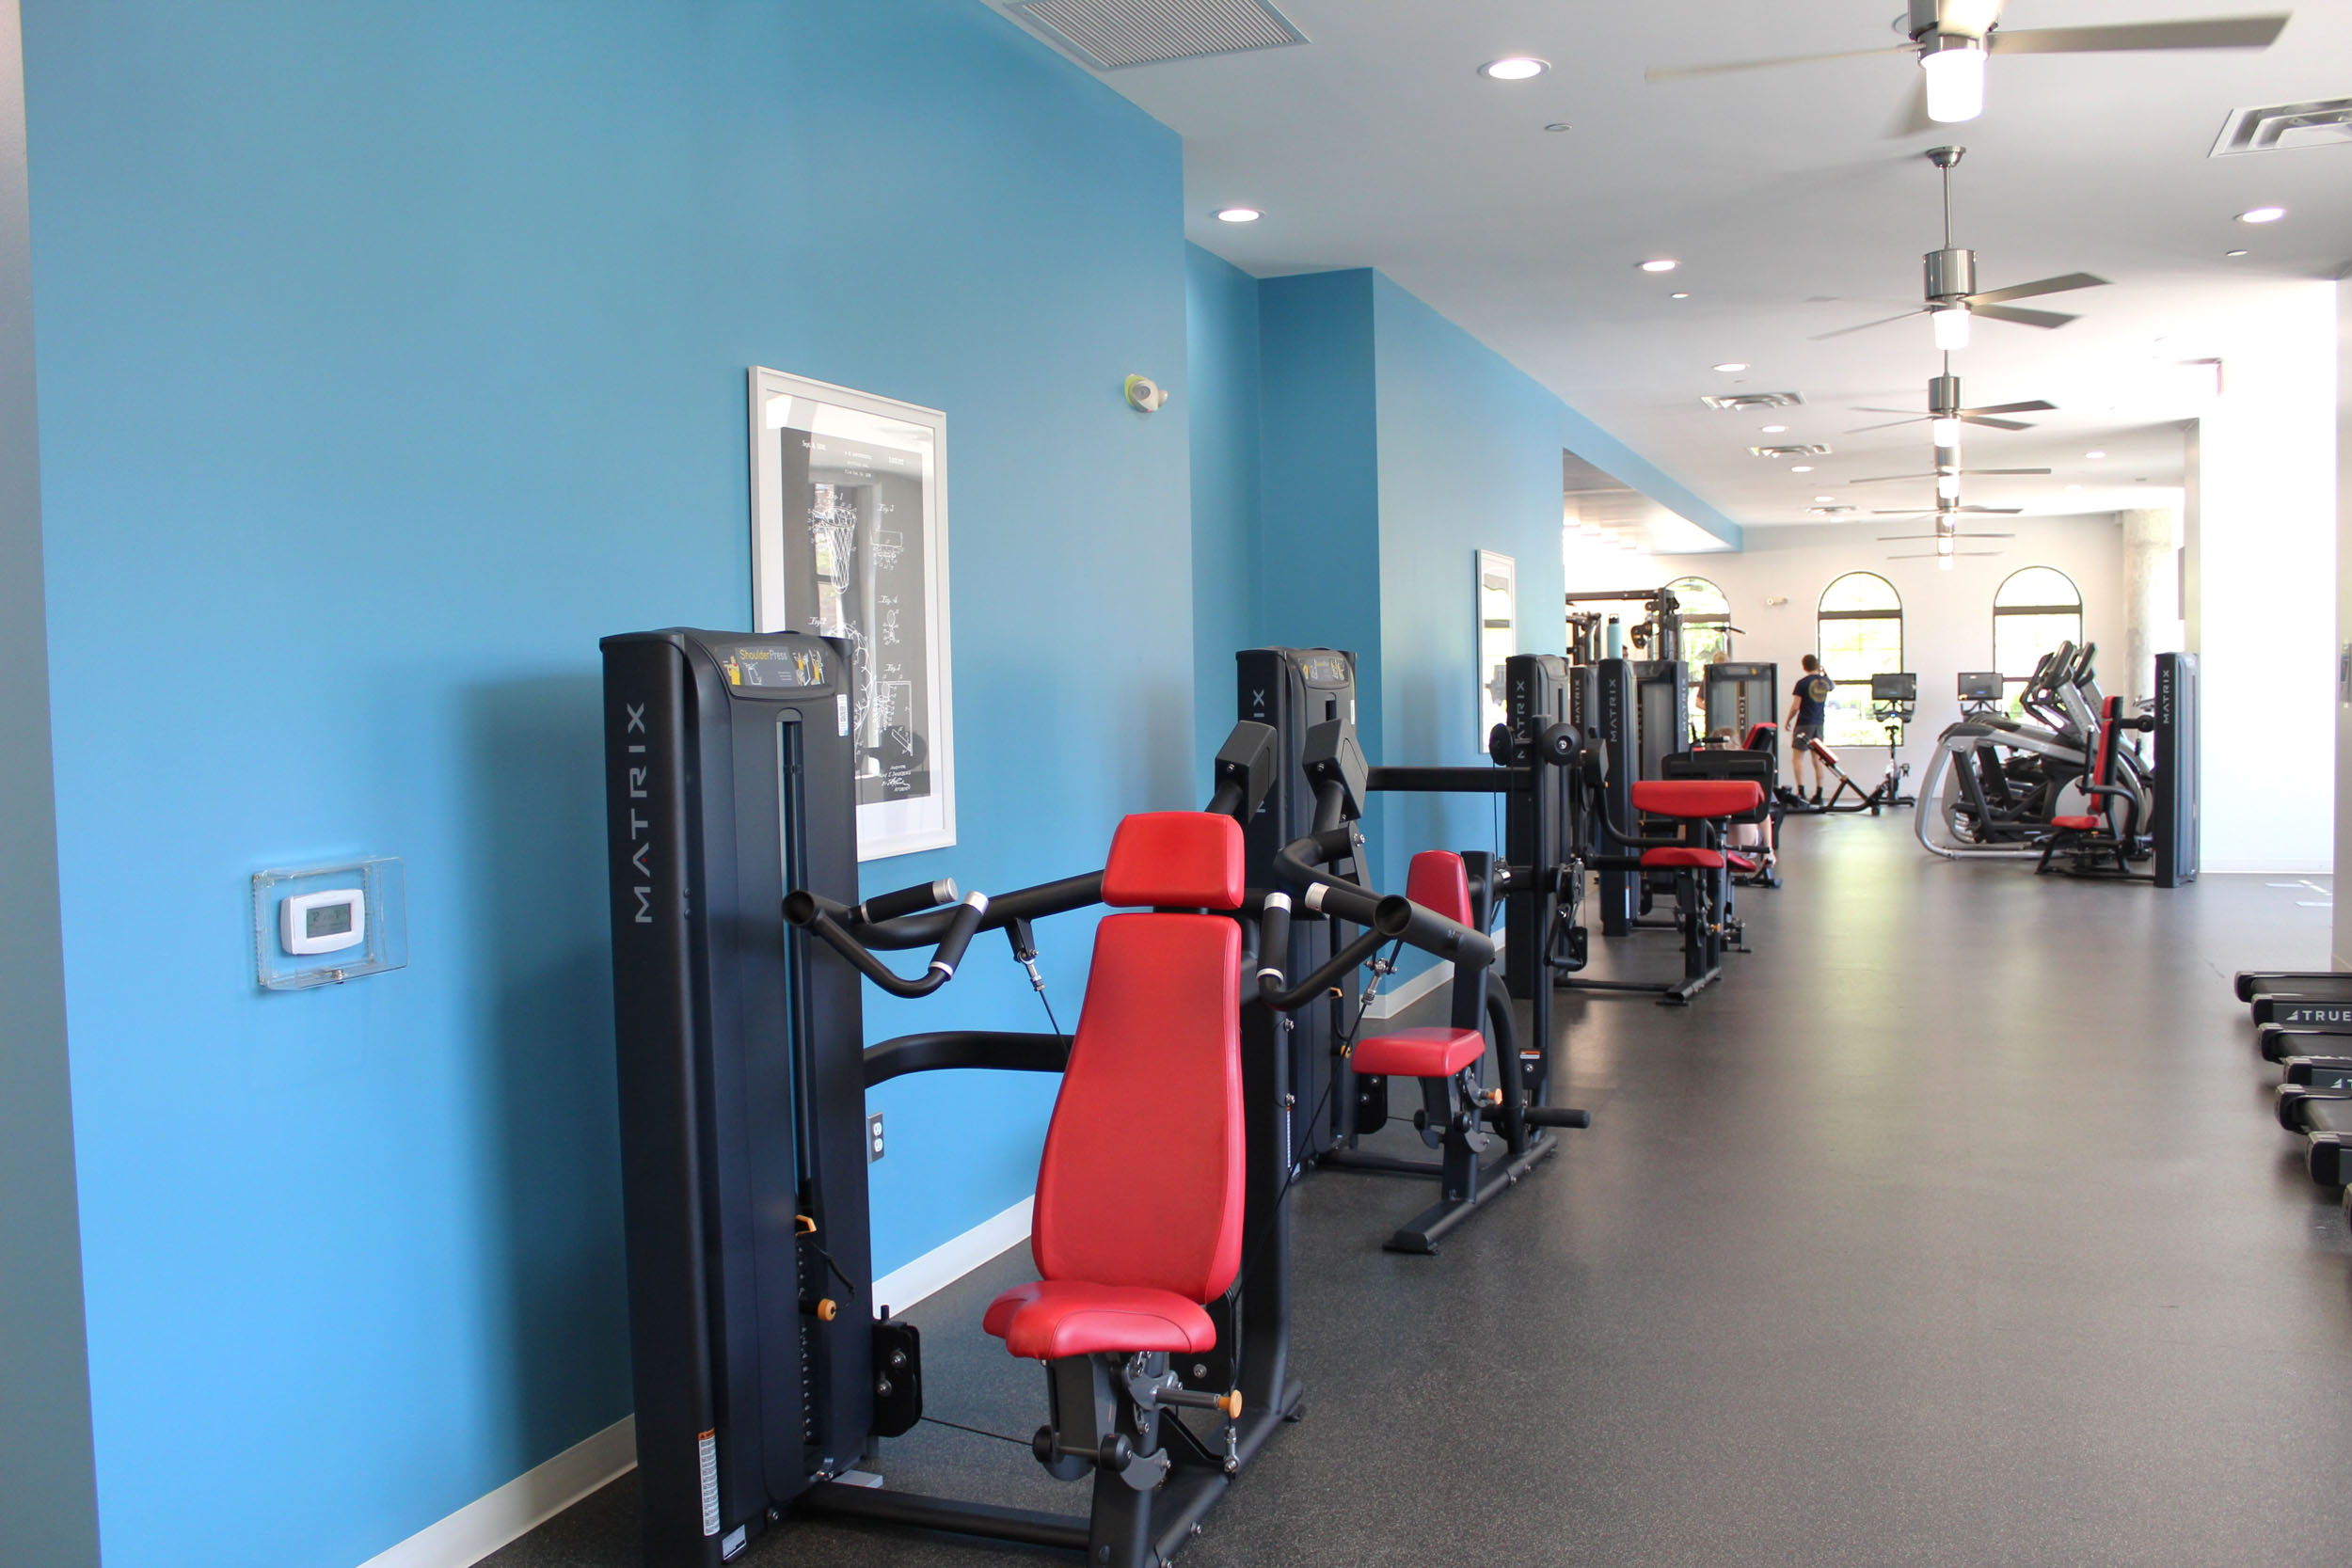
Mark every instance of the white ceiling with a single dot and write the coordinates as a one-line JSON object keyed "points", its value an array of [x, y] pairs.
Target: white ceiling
{"points": [[1791, 211]]}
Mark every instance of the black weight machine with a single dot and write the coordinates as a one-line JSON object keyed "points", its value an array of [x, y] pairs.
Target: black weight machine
{"points": [[1596, 818], [765, 1378], [1487, 1133]]}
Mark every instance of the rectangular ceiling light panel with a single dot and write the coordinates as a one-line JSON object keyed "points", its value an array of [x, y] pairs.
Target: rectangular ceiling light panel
{"points": [[1111, 35], [2283, 127]]}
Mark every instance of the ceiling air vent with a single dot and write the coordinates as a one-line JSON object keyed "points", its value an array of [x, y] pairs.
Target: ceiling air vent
{"points": [[1110, 35], [1829, 510], [1755, 400], [1816, 450], [2281, 127]]}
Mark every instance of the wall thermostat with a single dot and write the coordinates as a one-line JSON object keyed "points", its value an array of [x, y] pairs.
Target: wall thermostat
{"points": [[324, 922]]}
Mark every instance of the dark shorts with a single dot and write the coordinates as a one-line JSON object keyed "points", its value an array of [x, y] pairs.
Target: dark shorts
{"points": [[1802, 736]]}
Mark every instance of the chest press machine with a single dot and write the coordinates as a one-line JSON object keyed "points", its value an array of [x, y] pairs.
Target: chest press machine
{"points": [[766, 1376]]}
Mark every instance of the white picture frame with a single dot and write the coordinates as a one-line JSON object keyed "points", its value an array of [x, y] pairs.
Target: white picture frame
{"points": [[864, 478], [1495, 594]]}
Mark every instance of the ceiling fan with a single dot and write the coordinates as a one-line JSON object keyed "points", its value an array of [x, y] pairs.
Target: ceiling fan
{"points": [[1952, 39], [1946, 413], [1953, 298]]}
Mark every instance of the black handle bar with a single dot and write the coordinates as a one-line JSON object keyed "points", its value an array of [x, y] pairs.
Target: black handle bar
{"points": [[1417, 926], [824, 918]]}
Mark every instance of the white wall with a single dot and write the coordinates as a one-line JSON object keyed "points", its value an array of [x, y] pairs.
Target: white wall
{"points": [[2344, 597], [2261, 524], [1947, 616]]}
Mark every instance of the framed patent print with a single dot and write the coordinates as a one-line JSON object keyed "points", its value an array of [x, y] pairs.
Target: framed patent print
{"points": [[850, 540]]}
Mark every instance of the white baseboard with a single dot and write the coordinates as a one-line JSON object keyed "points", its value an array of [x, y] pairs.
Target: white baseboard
{"points": [[941, 1267], [2267, 868], [538, 1495], [528, 1501], [1390, 1003]]}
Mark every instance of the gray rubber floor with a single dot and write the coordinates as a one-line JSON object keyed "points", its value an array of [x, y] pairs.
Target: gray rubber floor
{"points": [[1954, 1228]]}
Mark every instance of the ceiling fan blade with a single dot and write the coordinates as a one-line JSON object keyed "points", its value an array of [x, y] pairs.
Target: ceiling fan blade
{"points": [[2039, 286], [1996, 425], [1994, 511], [1940, 556], [1825, 336], [1912, 117], [1888, 479], [1906, 538], [1901, 512], [1677, 72], [2022, 317], [2004, 470], [1865, 430], [2035, 407], [2212, 32]]}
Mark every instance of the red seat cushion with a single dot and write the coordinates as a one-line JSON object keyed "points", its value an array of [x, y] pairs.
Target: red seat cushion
{"points": [[1822, 752], [1438, 881], [1684, 854], [1420, 1052], [1697, 798], [2076, 824], [1190, 859], [1048, 1319], [1141, 1181], [1738, 862]]}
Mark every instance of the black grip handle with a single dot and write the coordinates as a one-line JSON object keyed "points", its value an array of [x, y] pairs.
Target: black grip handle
{"points": [[907, 900], [961, 929]]}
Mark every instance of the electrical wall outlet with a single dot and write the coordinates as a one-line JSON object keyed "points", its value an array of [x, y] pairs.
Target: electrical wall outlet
{"points": [[873, 1137]]}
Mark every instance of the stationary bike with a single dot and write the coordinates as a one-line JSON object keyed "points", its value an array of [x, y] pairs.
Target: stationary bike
{"points": [[1893, 701]]}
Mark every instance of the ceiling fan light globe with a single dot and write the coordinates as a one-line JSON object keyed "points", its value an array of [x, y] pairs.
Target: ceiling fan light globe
{"points": [[1951, 327], [1944, 546], [1943, 562], [1947, 487], [1955, 73], [1944, 432]]}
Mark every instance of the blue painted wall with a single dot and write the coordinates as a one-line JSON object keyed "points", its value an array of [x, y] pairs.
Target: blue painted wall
{"points": [[417, 333], [1469, 460], [1319, 487], [1222, 353]]}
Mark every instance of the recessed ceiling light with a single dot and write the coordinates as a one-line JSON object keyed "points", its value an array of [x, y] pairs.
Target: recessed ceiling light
{"points": [[2095, 454], [1732, 367], [1513, 67], [1825, 497], [2262, 214], [1774, 429], [1678, 296], [2234, 254], [1660, 263], [2071, 489], [1238, 214], [1802, 468]]}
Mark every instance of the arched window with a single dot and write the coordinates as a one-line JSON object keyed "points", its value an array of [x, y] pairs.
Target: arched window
{"points": [[1861, 635], [2033, 611], [1706, 637]]}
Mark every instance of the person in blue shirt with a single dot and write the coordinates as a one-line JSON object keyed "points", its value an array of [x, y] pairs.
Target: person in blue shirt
{"points": [[1808, 709]]}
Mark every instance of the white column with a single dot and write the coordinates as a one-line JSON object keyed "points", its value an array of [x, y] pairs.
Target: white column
{"points": [[2152, 596], [2263, 534]]}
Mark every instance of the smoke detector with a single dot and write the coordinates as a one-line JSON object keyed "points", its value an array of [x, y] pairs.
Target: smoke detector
{"points": [[2283, 127], [1755, 400], [1112, 35], [1813, 450]]}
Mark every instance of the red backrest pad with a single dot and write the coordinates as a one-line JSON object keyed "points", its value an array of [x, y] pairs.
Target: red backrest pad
{"points": [[1697, 796], [2106, 740], [1142, 1178], [1438, 881], [1189, 859], [1762, 738]]}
